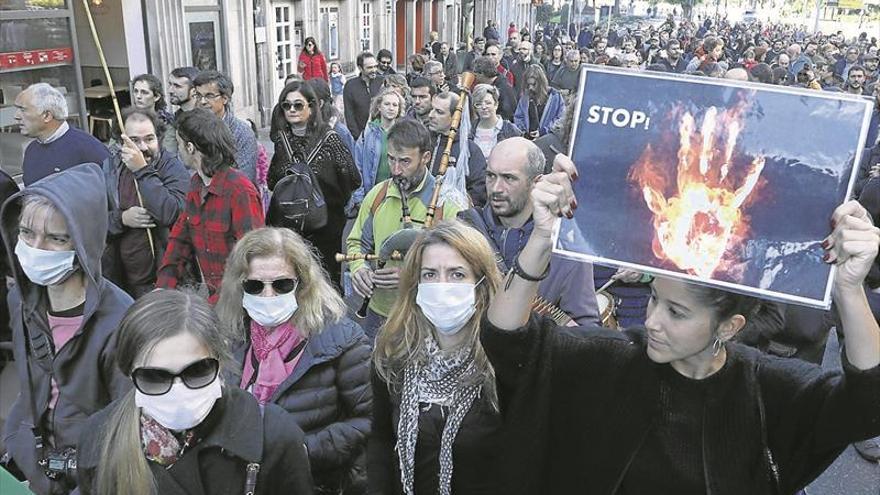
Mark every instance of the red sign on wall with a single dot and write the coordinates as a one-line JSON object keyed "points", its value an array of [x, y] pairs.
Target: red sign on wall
{"points": [[35, 57]]}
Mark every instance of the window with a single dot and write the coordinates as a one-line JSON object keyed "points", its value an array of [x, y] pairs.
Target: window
{"points": [[366, 27], [330, 32], [283, 52]]}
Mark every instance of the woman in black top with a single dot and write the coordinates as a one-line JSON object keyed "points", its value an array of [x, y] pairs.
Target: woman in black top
{"points": [[297, 122], [180, 431], [676, 407], [435, 419]]}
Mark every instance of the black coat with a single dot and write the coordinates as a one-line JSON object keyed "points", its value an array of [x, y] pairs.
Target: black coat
{"points": [[507, 99], [475, 451], [217, 465], [577, 409], [329, 395], [356, 97]]}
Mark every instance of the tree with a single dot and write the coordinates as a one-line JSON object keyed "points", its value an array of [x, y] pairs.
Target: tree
{"points": [[543, 13], [687, 6]]}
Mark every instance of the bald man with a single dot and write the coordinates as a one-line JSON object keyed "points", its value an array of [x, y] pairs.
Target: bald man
{"points": [[512, 170]]}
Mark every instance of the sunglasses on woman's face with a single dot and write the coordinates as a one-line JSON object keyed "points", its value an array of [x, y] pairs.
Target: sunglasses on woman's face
{"points": [[296, 105], [280, 286], [158, 381]]}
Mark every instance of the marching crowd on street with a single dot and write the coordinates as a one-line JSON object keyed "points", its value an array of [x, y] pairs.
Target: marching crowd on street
{"points": [[178, 297]]}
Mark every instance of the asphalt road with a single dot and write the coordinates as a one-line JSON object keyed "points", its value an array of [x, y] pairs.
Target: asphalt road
{"points": [[850, 474]]}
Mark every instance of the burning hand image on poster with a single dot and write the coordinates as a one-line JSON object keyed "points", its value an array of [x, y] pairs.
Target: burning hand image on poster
{"points": [[708, 181]]}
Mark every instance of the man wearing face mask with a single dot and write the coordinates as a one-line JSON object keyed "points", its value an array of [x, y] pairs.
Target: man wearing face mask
{"points": [[67, 314], [409, 156], [141, 165], [506, 222]]}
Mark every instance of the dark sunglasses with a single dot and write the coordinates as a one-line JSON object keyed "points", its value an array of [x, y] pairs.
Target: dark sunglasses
{"points": [[158, 381], [297, 105], [280, 286]]}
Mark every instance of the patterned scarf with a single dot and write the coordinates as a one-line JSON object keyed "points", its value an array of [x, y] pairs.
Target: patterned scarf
{"points": [[160, 444], [439, 381]]}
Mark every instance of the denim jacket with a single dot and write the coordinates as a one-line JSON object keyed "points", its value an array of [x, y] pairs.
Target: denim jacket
{"points": [[367, 157], [554, 109]]}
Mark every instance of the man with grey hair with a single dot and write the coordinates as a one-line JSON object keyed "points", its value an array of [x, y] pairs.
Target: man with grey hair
{"points": [[514, 167], [434, 72], [40, 112], [567, 78]]}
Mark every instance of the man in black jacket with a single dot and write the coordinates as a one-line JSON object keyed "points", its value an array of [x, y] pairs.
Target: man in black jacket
{"points": [[146, 188], [358, 93], [486, 73]]}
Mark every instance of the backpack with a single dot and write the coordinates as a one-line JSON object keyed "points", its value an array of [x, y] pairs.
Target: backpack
{"points": [[297, 200]]}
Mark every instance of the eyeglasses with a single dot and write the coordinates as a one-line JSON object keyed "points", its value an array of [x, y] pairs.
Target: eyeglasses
{"points": [[208, 96], [280, 286], [158, 381], [296, 105]]}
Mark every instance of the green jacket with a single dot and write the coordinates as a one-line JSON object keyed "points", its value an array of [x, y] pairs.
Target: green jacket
{"points": [[370, 230]]}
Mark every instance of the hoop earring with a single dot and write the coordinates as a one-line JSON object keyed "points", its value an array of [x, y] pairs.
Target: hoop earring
{"points": [[716, 347]]}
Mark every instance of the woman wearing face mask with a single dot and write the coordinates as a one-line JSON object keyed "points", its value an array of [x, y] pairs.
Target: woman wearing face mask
{"points": [[675, 407], [371, 150], [180, 431], [64, 320], [297, 349], [435, 419], [490, 128]]}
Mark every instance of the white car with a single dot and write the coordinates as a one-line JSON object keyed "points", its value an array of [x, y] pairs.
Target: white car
{"points": [[749, 16]]}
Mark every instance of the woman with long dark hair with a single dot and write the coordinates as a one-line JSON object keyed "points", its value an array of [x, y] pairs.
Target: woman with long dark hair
{"points": [[554, 61], [300, 134], [180, 430], [675, 407], [312, 63], [539, 105]]}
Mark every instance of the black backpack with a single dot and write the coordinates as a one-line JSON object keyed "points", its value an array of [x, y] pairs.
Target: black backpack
{"points": [[297, 200]]}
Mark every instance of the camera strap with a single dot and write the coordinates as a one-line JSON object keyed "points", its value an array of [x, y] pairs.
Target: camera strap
{"points": [[40, 350], [253, 468]]}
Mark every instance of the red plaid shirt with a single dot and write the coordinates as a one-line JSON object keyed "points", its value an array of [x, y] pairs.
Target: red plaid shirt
{"points": [[213, 219]]}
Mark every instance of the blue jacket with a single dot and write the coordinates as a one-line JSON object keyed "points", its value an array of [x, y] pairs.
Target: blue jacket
{"points": [[345, 136], [552, 111], [367, 157]]}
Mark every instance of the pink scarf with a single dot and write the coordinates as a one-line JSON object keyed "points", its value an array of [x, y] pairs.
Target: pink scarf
{"points": [[270, 349]]}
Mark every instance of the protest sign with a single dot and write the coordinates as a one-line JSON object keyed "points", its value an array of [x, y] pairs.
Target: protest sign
{"points": [[721, 182]]}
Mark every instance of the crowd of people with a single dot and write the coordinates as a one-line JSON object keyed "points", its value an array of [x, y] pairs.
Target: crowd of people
{"points": [[178, 308]]}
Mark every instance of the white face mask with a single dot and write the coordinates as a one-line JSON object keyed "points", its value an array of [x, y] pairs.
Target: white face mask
{"points": [[447, 305], [270, 311], [182, 407], [44, 267]]}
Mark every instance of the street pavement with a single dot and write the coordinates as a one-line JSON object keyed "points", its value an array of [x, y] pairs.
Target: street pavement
{"points": [[850, 474]]}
